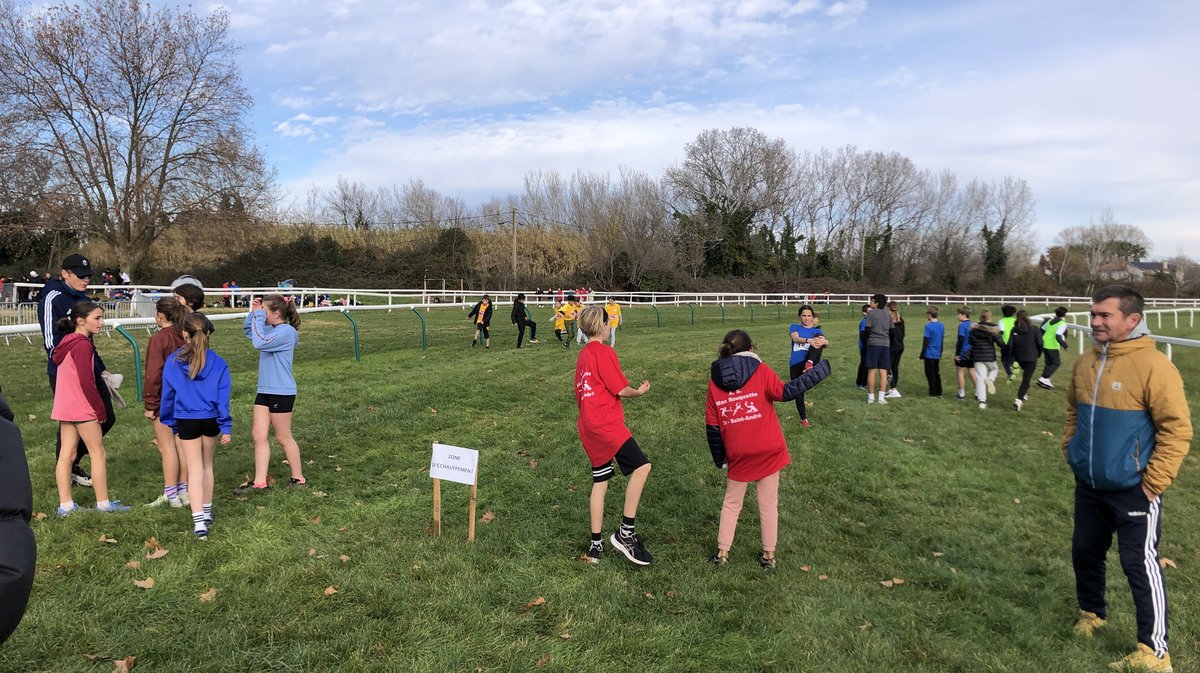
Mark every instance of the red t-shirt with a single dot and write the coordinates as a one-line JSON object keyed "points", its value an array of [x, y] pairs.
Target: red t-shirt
{"points": [[598, 379], [754, 441]]}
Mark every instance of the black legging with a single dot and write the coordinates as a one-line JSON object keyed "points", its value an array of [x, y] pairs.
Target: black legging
{"points": [[18, 551], [814, 356], [894, 372], [1027, 369], [521, 324]]}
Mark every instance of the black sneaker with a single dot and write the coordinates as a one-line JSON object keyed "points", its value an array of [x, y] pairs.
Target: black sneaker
{"points": [[248, 488], [297, 483], [473, 342], [595, 550], [767, 564], [79, 477], [566, 345], [631, 547], [718, 560]]}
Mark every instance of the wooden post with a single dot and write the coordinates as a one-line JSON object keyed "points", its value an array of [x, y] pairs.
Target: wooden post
{"points": [[437, 507], [471, 511]]}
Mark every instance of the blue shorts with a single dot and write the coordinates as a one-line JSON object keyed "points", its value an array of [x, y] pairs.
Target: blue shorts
{"points": [[878, 357]]}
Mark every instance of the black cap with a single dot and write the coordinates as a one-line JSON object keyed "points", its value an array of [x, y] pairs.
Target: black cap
{"points": [[78, 265]]}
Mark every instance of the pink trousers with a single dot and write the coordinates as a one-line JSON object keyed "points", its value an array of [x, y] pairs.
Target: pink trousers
{"points": [[768, 511]]}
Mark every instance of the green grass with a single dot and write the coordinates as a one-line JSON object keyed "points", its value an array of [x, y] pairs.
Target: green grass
{"points": [[971, 508]]}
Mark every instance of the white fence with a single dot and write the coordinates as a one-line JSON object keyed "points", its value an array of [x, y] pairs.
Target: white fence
{"points": [[1151, 316]]}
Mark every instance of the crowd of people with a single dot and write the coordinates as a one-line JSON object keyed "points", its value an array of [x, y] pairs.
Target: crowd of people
{"points": [[1127, 430]]}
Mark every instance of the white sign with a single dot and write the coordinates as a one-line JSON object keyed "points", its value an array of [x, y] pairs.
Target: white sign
{"points": [[454, 463]]}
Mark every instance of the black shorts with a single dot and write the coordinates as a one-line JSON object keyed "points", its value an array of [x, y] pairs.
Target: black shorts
{"points": [[195, 428], [964, 363], [277, 404], [629, 458]]}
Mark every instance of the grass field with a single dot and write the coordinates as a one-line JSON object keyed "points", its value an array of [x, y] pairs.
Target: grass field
{"points": [[971, 508]]}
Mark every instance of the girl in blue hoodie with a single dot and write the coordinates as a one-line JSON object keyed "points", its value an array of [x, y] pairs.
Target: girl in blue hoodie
{"points": [[271, 326], [195, 405]]}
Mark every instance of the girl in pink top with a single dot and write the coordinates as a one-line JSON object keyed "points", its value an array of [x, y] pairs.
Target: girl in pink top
{"points": [[78, 406]]}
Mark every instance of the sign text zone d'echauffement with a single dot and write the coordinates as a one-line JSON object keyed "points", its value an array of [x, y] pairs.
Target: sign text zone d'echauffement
{"points": [[454, 463]]}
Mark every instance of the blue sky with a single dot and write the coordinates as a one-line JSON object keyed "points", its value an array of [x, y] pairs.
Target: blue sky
{"points": [[1092, 103]]}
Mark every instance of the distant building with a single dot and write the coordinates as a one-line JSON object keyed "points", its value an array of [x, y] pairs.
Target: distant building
{"points": [[1136, 271]]}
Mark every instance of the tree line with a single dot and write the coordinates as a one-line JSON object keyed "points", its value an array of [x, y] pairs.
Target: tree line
{"points": [[123, 125]]}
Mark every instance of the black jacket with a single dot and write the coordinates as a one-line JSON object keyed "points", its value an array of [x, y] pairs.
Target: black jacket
{"points": [[520, 314], [55, 303], [18, 551], [1025, 345], [896, 337], [733, 372], [984, 337], [487, 313]]}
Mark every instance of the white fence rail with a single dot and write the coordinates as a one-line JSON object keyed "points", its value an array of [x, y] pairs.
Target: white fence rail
{"points": [[1085, 331]]}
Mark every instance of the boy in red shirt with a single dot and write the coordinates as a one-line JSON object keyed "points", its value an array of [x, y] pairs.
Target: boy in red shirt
{"points": [[744, 435], [599, 387]]}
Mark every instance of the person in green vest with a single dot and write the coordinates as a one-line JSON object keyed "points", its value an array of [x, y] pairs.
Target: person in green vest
{"points": [[1008, 319], [1054, 339]]}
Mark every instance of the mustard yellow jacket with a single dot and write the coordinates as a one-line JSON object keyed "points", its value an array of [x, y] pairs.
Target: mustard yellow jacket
{"points": [[1127, 417]]}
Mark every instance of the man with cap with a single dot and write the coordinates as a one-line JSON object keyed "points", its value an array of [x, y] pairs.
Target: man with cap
{"points": [[57, 298]]}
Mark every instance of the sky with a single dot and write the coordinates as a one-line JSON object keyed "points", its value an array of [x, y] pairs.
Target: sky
{"points": [[1092, 103]]}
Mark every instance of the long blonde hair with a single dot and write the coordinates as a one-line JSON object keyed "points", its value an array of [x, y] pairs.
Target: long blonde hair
{"points": [[197, 328]]}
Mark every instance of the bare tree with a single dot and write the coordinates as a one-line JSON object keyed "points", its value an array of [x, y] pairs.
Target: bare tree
{"points": [[141, 109], [352, 204]]}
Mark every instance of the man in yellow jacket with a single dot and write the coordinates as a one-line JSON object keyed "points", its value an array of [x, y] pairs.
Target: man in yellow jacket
{"points": [[1128, 429]]}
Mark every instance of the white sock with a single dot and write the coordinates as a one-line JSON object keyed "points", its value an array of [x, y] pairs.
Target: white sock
{"points": [[102, 504], [881, 394], [67, 505]]}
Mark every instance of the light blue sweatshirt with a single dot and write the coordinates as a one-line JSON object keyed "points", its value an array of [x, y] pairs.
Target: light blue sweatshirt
{"points": [[275, 344]]}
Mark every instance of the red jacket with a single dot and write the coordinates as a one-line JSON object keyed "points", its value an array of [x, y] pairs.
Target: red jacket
{"points": [[76, 397], [162, 344], [743, 429]]}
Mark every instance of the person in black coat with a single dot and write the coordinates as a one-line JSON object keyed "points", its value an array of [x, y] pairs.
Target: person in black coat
{"points": [[1025, 347], [522, 319], [18, 550], [481, 313], [984, 338]]}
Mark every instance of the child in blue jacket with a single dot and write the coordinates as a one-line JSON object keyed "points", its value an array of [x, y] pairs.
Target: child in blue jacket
{"points": [[195, 405]]}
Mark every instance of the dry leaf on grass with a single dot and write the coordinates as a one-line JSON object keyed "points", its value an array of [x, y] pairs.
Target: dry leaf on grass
{"points": [[864, 626], [894, 582], [587, 559], [343, 558], [533, 463], [565, 636], [371, 407], [488, 517], [330, 590], [124, 665], [938, 554], [157, 553], [152, 544], [315, 520], [39, 516], [542, 661], [32, 417], [208, 596], [106, 539], [319, 494], [494, 425], [648, 594], [1048, 434], [1016, 501], [133, 565], [838, 411], [433, 411], [822, 577], [337, 468], [907, 440], [534, 603], [312, 552], [146, 583], [1164, 563], [805, 568]]}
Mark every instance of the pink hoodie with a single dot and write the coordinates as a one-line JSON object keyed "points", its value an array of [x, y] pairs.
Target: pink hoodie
{"points": [[76, 397]]}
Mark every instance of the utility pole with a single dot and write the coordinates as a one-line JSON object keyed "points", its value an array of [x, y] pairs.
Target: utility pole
{"points": [[514, 228]]}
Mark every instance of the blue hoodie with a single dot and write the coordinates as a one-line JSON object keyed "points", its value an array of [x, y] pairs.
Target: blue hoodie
{"points": [[206, 396], [275, 344]]}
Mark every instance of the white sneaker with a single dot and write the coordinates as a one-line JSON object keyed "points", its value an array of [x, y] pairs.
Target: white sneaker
{"points": [[983, 405], [184, 498], [1017, 404], [159, 501], [893, 393], [1045, 383], [991, 386], [176, 502], [881, 399], [870, 399]]}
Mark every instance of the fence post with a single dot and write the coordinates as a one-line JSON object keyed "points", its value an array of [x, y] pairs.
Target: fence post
{"points": [[137, 358], [424, 342], [722, 313], [657, 315], [693, 308], [751, 312], [357, 353]]}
